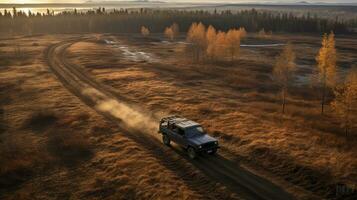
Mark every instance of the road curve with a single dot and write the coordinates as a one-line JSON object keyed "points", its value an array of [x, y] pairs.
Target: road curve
{"points": [[103, 99]]}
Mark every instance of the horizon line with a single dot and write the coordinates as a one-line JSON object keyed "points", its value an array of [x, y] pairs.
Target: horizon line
{"points": [[180, 2]]}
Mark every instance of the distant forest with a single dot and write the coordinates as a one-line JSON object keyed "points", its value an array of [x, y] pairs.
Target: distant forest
{"points": [[125, 21]]}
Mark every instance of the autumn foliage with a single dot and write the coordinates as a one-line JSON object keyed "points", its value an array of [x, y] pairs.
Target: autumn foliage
{"points": [[233, 38], [172, 31], [284, 71], [212, 43], [145, 31], [196, 36], [326, 65], [345, 103]]}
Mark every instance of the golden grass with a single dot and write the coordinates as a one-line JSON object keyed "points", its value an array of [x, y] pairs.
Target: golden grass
{"points": [[239, 104], [54, 146]]}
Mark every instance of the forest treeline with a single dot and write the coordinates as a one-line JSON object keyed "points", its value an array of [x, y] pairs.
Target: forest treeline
{"points": [[125, 21]]}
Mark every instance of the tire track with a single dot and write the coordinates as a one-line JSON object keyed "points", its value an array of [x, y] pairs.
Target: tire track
{"points": [[104, 101]]}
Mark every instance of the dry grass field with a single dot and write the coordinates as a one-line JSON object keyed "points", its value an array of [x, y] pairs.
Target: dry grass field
{"points": [[53, 146], [238, 102]]}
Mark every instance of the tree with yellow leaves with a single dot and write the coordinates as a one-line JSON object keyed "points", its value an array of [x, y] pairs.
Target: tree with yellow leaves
{"points": [[145, 31], [172, 31], [233, 38], [326, 65], [220, 45], [284, 71], [196, 36], [345, 103], [169, 33], [211, 36], [243, 32]]}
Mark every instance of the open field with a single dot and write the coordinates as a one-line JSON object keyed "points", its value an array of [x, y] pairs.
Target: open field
{"points": [[238, 103], [79, 117], [54, 147]]}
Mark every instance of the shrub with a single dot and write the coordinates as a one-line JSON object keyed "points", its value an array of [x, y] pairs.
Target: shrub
{"points": [[68, 146], [17, 159], [41, 120]]}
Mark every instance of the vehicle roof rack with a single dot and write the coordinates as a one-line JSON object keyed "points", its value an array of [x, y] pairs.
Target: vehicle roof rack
{"points": [[180, 121]]}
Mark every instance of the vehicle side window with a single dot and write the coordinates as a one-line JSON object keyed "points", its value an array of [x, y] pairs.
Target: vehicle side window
{"points": [[181, 132]]}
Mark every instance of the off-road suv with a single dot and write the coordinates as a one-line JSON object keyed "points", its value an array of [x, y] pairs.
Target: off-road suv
{"points": [[188, 134]]}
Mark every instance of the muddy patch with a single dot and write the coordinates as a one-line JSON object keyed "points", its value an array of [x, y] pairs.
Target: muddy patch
{"points": [[131, 53]]}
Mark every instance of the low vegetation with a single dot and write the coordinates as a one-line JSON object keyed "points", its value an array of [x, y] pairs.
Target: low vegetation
{"points": [[68, 146], [19, 159], [22, 156], [41, 120]]}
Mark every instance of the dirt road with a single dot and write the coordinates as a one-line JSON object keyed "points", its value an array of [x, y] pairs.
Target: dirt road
{"points": [[142, 129]]}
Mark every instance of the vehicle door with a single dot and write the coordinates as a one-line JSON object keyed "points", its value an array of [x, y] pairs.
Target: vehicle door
{"points": [[181, 139]]}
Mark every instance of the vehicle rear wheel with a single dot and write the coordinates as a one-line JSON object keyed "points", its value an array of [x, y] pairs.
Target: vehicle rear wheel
{"points": [[191, 152], [166, 140]]}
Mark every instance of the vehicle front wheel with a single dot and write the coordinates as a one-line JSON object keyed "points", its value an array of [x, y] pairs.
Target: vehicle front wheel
{"points": [[166, 140], [191, 152]]}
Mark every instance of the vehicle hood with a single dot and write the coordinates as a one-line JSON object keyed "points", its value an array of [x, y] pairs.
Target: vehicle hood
{"points": [[202, 139]]}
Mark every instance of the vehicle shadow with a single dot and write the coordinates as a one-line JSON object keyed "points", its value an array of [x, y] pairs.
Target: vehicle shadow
{"points": [[233, 176]]}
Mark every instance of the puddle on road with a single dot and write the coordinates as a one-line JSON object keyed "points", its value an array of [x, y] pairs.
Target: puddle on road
{"points": [[132, 54]]}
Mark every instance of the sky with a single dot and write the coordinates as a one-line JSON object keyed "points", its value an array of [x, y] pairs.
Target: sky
{"points": [[196, 1]]}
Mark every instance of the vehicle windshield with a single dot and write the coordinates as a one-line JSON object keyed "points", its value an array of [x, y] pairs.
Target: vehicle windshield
{"points": [[194, 131]]}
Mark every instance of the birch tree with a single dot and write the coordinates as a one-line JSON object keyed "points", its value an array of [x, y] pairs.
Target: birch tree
{"points": [[220, 45], [211, 37], [233, 42], [145, 31], [196, 36], [172, 31], [326, 66], [345, 102], [284, 71]]}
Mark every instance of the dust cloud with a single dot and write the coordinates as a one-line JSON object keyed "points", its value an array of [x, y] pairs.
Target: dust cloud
{"points": [[131, 117]]}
